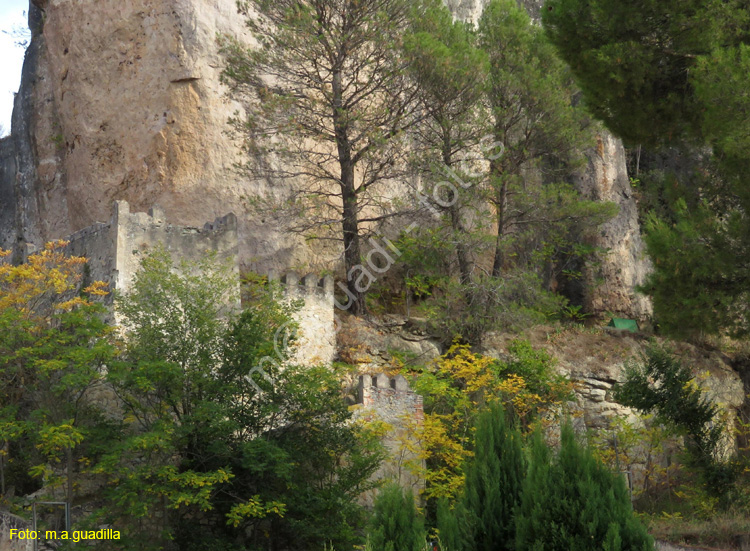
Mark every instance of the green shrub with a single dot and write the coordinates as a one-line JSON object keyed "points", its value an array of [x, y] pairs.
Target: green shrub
{"points": [[396, 525], [572, 502], [661, 385]]}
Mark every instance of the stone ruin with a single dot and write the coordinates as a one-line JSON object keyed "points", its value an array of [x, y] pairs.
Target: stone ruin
{"points": [[389, 399], [115, 249]]}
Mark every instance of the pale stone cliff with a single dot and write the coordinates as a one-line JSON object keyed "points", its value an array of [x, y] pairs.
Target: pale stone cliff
{"points": [[610, 284], [122, 101]]}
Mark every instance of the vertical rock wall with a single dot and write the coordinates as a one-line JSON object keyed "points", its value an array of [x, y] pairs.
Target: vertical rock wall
{"points": [[610, 285], [122, 101]]}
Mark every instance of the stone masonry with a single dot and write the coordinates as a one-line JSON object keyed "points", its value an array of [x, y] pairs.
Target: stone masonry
{"points": [[115, 249], [389, 399]]}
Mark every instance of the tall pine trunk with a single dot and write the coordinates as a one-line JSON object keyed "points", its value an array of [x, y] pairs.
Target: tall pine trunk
{"points": [[463, 255], [350, 205], [501, 204]]}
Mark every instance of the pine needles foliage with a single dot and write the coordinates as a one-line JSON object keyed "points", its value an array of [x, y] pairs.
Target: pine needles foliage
{"points": [[494, 481], [396, 525], [572, 502]]}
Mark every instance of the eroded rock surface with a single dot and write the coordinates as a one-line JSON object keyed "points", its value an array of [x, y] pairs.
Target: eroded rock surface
{"points": [[610, 285], [123, 101]]}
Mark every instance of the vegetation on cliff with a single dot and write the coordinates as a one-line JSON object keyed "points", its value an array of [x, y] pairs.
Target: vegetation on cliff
{"points": [[674, 74], [372, 111]]}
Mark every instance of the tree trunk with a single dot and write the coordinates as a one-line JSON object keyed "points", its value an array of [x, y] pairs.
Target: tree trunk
{"points": [[350, 219], [352, 257], [2, 468], [69, 458], [462, 251], [500, 206]]}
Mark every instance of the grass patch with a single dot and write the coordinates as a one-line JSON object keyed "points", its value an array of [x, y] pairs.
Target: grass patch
{"points": [[723, 530]]}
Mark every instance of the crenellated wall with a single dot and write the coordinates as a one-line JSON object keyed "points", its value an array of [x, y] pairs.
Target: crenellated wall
{"points": [[389, 399], [317, 325]]}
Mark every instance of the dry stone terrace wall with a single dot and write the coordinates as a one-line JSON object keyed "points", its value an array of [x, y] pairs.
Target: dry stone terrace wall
{"points": [[8, 522]]}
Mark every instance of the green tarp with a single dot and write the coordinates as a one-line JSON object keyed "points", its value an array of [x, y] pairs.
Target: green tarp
{"points": [[622, 323]]}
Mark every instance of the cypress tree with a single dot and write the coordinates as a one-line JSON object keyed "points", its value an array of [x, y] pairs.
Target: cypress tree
{"points": [[453, 527], [396, 526], [494, 481], [574, 503]]}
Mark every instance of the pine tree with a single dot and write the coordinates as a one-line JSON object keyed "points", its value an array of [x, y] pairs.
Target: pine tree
{"points": [[675, 72], [574, 503], [327, 103], [396, 525], [451, 71], [529, 92], [642, 87], [494, 481]]}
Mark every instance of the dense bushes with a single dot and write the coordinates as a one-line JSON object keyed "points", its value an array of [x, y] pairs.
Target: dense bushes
{"points": [[539, 501], [662, 385], [572, 502]]}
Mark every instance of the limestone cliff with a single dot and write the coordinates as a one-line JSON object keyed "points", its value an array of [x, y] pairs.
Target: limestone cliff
{"points": [[122, 101], [610, 284]]}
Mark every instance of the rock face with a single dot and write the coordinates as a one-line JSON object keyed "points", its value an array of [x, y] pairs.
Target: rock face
{"points": [[610, 286], [471, 10], [123, 101]]}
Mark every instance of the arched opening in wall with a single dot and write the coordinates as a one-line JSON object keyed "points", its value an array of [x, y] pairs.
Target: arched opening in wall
{"points": [[14, 38]]}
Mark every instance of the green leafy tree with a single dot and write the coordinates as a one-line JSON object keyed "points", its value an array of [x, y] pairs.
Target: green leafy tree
{"points": [[215, 429], [159, 468], [571, 501], [505, 86], [328, 83], [396, 525], [662, 385], [494, 480], [54, 347]]}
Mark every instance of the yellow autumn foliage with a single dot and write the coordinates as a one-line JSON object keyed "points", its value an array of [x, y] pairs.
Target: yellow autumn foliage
{"points": [[46, 282], [457, 387]]}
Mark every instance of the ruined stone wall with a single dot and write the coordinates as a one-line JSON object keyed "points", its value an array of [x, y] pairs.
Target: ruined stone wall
{"points": [[7, 522], [389, 399], [317, 326], [138, 232], [114, 249]]}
